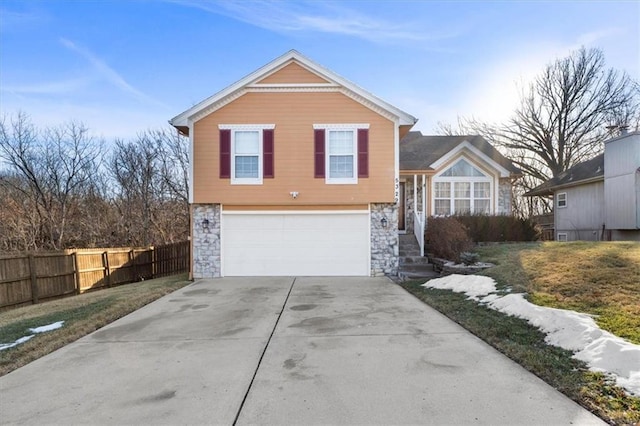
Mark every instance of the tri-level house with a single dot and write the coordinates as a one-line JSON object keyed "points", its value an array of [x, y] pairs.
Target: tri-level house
{"points": [[297, 171]]}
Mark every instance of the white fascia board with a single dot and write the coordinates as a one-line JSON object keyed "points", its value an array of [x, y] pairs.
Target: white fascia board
{"points": [[280, 62], [465, 144], [191, 158]]}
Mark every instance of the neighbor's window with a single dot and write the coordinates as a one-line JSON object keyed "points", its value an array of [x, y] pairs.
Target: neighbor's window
{"points": [[461, 189], [562, 200]]}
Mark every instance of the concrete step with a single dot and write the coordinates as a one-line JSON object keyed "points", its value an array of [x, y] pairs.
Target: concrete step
{"points": [[404, 252], [416, 272], [414, 260]]}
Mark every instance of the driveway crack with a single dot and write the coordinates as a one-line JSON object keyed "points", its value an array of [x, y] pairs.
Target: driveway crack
{"points": [[264, 350]]}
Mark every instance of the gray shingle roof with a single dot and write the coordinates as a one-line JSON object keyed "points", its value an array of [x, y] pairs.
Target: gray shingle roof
{"points": [[418, 152], [585, 171]]}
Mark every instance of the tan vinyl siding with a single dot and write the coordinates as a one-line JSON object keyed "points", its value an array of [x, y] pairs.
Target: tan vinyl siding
{"points": [[292, 73], [294, 115], [326, 207]]}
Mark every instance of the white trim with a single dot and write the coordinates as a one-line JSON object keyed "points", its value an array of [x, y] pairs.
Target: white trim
{"points": [[291, 85], [191, 159], [396, 165], [341, 126], [222, 242], [465, 144], [273, 212], [238, 88], [369, 240], [246, 126], [257, 128], [347, 127], [564, 234], [566, 200]]}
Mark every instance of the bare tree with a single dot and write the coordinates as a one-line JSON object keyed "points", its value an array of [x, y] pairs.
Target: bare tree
{"points": [[151, 175], [50, 169], [563, 116], [563, 119]]}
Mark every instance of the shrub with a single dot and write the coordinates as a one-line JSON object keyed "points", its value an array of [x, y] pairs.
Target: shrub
{"points": [[484, 228], [469, 258], [447, 238]]}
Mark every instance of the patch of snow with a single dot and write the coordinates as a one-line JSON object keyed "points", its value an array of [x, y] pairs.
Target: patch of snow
{"points": [[474, 286], [45, 328], [36, 330], [4, 346], [574, 331]]}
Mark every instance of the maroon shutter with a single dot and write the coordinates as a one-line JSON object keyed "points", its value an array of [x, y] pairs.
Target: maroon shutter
{"points": [[363, 153], [225, 154], [319, 153], [267, 153]]}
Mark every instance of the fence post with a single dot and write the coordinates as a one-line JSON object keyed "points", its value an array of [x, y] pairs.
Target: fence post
{"points": [[105, 264], [154, 272], [76, 271], [34, 279], [132, 258]]}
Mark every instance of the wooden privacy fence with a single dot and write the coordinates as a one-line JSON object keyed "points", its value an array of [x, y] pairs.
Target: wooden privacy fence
{"points": [[31, 278]]}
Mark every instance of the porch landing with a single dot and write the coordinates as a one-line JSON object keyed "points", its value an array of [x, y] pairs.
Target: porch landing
{"points": [[413, 266]]}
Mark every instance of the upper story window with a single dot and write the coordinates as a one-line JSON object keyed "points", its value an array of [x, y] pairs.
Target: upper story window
{"points": [[341, 152], [246, 153], [562, 200], [462, 189]]}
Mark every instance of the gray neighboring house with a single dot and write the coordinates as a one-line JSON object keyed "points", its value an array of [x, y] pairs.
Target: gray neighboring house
{"points": [[599, 199]]}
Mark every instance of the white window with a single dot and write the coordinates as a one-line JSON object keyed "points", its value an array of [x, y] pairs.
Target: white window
{"points": [[246, 152], [341, 156], [562, 236], [341, 152], [562, 200], [461, 189], [245, 164]]}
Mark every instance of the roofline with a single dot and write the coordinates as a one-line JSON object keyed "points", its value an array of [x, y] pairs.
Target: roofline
{"points": [[468, 145], [550, 190], [182, 119], [626, 135]]}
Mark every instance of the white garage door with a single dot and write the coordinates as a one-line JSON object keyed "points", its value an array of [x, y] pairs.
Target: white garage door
{"points": [[326, 243]]}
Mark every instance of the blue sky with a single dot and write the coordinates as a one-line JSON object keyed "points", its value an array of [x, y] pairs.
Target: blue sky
{"points": [[121, 67]]}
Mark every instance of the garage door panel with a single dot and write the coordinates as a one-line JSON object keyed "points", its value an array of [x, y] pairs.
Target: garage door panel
{"points": [[295, 244]]}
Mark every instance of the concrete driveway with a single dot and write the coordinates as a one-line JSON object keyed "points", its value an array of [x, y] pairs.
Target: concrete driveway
{"points": [[282, 351]]}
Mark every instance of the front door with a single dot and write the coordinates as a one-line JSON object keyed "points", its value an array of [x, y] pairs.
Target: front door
{"points": [[401, 208]]}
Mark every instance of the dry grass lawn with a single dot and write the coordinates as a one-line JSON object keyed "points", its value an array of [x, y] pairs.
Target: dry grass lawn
{"points": [[599, 278], [81, 314]]}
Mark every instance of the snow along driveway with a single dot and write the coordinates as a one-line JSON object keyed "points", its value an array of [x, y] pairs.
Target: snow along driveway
{"points": [[283, 350], [574, 331]]}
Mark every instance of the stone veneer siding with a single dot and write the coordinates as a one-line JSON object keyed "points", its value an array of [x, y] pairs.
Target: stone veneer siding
{"points": [[384, 241], [206, 241]]}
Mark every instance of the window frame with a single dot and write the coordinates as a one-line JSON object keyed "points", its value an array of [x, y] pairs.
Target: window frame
{"points": [[565, 200], [259, 129], [328, 128], [562, 234], [471, 180]]}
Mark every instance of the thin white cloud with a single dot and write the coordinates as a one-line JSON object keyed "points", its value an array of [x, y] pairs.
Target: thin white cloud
{"points": [[328, 18], [13, 20], [63, 87], [107, 72]]}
